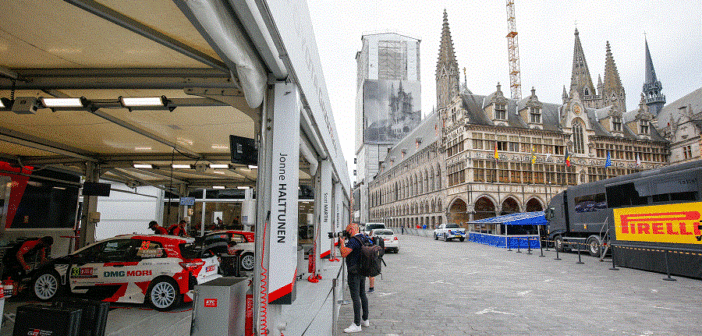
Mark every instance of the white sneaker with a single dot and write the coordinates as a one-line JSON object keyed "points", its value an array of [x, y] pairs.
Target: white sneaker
{"points": [[353, 328], [365, 323]]}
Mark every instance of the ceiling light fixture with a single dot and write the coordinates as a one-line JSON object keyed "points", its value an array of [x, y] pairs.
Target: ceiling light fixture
{"points": [[146, 103], [219, 166], [142, 148], [181, 166], [64, 102], [5, 104], [253, 167], [217, 187], [243, 187], [143, 165]]}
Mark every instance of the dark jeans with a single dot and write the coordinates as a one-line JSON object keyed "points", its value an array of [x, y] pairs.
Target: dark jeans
{"points": [[357, 287]]}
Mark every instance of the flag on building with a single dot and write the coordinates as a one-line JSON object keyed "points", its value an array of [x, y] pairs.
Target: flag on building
{"points": [[609, 160], [533, 156], [638, 160], [497, 155], [567, 158]]}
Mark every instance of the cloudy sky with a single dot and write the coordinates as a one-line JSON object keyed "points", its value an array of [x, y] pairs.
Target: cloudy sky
{"points": [[478, 28]]}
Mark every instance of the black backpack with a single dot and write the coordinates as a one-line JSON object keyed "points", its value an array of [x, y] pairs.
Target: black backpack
{"points": [[371, 257]]}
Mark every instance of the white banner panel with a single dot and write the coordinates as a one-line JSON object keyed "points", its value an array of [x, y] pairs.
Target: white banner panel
{"points": [[282, 237], [292, 21]]}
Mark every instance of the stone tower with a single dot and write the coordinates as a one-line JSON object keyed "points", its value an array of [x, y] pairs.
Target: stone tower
{"points": [[580, 80], [612, 92], [609, 92], [652, 87], [447, 81]]}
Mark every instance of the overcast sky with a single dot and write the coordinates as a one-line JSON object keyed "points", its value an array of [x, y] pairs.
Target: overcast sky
{"points": [[478, 28]]}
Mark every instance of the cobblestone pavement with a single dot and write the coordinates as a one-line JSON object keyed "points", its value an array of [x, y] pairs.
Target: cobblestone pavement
{"points": [[462, 288]]}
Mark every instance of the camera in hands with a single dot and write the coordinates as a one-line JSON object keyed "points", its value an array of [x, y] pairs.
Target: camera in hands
{"points": [[338, 234]]}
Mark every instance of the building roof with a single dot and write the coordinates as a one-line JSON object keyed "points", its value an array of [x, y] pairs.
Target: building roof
{"points": [[428, 131], [692, 100]]}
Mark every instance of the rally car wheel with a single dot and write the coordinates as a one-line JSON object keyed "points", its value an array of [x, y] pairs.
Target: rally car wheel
{"points": [[247, 261], [47, 285], [163, 294], [436, 237]]}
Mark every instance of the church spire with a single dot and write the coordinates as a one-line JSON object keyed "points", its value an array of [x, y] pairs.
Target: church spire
{"points": [[652, 87], [613, 93], [447, 81], [446, 53], [580, 79]]}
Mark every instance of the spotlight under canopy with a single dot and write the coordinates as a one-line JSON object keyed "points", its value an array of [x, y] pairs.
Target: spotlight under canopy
{"points": [[63, 102], [143, 101]]}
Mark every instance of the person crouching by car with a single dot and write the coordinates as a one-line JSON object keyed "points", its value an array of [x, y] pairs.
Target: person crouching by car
{"points": [[153, 225], [351, 251], [15, 260]]}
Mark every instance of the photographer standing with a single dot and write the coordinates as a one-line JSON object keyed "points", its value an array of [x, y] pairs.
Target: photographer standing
{"points": [[351, 251]]}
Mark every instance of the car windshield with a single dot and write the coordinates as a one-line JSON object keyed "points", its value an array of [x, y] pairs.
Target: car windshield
{"points": [[383, 232], [452, 226]]}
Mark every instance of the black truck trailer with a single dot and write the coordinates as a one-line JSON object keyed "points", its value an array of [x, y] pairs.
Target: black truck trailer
{"points": [[650, 219]]}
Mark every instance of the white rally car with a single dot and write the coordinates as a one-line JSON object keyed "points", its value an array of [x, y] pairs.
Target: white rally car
{"points": [[449, 232], [161, 270]]}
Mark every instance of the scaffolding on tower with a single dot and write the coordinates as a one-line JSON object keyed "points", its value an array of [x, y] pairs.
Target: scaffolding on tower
{"points": [[515, 82]]}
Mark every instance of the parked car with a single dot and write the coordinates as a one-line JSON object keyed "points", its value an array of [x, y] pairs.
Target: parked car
{"points": [[372, 226], [231, 243], [392, 244], [159, 269], [449, 231]]}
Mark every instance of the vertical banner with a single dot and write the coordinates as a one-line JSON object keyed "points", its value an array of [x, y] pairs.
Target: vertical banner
{"points": [[282, 237], [338, 208], [324, 174]]}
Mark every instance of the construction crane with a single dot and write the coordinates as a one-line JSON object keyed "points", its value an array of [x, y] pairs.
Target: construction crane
{"points": [[515, 81]]}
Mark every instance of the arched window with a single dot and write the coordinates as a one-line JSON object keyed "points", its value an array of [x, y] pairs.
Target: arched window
{"points": [[578, 139], [426, 181], [432, 181]]}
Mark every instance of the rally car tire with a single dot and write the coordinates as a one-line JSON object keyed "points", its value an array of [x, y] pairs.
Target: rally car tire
{"points": [[247, 262], [47, 285], [436, 237], [461, 239], [164, 294]]}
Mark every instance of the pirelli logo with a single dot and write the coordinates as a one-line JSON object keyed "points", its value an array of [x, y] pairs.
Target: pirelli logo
{"points": [[670, 223]]}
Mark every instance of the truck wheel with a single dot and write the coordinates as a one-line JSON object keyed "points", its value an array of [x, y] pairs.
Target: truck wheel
{"points": [[593, 246], [558, 243]]}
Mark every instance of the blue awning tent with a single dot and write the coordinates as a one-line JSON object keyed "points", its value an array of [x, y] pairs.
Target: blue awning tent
{"points": [[522, 218], [514, 241]]}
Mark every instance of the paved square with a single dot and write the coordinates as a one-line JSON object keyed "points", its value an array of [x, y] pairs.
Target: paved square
{"points": [[462, 288]]}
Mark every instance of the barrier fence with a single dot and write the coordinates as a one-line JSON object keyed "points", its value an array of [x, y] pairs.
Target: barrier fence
{"points": [[518, 244]]}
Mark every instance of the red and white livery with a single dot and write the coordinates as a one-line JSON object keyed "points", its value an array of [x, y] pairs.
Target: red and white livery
{"points": [[161, 270]]}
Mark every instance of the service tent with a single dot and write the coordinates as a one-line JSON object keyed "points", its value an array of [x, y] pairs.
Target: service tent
{"points": [[533, 219]]}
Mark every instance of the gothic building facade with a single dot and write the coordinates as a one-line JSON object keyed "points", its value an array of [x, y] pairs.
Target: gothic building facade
{"points": [[480, 156]]}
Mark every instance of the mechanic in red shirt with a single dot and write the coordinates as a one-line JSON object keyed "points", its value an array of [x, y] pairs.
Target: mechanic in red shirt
{"points": [[178, 229], [16, 266], [153, 225]]}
